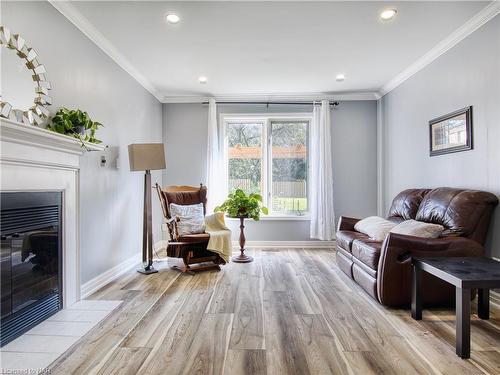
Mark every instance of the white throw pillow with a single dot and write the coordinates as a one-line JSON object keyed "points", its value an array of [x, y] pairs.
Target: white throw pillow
{"points": [[191, 217], [418, 229], [375, 227]]}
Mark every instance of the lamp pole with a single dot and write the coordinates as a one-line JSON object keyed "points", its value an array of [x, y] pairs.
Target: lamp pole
{"points": [[147, 229]]}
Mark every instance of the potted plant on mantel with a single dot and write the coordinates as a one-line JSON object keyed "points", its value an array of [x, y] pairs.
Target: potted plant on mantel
{"points": [[242, 206], [76, 123]]}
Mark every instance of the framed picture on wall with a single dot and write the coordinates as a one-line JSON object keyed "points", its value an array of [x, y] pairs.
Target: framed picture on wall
{"points": [[451, 132]]}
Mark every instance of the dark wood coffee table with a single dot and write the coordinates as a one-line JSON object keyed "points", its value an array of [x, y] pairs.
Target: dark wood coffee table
{"points": [[465, 274]]}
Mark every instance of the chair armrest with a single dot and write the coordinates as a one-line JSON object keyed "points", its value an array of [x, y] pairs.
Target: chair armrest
{"points": [[394, 268], [430, 247], [346, 223]]}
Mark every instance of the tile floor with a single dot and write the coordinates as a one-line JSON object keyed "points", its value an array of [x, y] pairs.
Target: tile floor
{"points": [[41, 345]]}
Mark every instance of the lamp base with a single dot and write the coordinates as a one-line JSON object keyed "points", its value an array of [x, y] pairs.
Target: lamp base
{"points": [[147, 270], [242, 258]]}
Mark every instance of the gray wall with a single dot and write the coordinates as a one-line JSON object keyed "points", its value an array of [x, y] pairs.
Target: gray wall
{"points": [[468, 74], [354, 157], [84, 77]]}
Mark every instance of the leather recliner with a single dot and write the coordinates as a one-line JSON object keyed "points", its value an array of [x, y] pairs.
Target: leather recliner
{"points": [[383, 269]]}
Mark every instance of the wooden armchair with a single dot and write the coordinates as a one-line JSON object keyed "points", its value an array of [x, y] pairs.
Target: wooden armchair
{"points": [[191, 248]]}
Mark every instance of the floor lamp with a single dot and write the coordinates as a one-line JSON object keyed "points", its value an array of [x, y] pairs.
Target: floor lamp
{"points": [[147, 157]]}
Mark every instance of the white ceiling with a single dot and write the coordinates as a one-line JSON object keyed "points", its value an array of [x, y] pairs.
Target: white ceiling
{"points": [[272, 47]]}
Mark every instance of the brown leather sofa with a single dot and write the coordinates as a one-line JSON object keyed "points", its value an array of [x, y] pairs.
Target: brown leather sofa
{"points": [[383, 269]]}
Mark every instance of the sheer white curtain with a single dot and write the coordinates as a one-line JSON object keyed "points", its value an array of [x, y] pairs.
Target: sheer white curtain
{"points": [[321, 175], [215, 159]]}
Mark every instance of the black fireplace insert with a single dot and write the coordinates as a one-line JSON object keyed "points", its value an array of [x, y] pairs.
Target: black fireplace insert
{"points": [[31, 260]]}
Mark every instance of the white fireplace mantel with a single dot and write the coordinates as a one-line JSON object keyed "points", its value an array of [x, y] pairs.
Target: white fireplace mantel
{"points": [[35, 159], [17, 132]]}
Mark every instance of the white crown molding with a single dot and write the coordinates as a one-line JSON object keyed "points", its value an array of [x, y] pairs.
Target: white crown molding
{"points": [[478, 20], [83, 24], [357, 95]]}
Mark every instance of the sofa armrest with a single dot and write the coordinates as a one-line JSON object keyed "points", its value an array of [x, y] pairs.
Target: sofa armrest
{"points": [[395, 269], [346, 223]]}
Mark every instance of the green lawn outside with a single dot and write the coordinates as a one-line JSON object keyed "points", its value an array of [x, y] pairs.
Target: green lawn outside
{"points": [[289, 204]]}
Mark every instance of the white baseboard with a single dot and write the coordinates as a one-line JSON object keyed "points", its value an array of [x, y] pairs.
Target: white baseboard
{"points": [[290, 244], [104, 278]]}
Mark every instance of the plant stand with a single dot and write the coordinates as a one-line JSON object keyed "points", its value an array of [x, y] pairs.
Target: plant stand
{"points": [[242, 258]]}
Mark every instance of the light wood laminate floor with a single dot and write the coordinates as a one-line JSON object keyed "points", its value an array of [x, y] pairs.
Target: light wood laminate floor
{"points": [[291, 311]]}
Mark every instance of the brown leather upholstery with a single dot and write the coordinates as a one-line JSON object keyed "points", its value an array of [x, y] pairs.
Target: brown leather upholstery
{"points": [[459, 211], [182, 195], [367, 282], [367, 251], [194, 238], [344, 261], [394, 269], [384, 269], [405, 205], [345, 238]]}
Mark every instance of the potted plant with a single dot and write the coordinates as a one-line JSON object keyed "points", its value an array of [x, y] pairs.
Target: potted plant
{"points": [[242, 206], [76, 123]]}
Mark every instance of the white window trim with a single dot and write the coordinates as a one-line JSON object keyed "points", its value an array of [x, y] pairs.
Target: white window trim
{"points": [[266, 118]]}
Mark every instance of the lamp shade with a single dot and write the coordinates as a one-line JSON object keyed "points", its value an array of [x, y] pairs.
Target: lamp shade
{"points": [[146, 156]]}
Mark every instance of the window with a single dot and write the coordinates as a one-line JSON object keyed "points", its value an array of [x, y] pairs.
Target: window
{"points": [[269, 156]]}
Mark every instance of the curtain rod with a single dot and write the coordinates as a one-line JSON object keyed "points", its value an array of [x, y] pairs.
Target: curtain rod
{"points": [[278, 103]]}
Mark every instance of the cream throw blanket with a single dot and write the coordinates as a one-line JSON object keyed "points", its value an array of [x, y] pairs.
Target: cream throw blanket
{"points": [[220, 235]]}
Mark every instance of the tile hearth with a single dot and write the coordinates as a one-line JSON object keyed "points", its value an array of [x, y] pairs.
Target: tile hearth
{"points": [[41, 345]]}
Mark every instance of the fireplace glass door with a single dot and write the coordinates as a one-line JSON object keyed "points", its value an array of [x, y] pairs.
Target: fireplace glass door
{"points": [[30, 260]]}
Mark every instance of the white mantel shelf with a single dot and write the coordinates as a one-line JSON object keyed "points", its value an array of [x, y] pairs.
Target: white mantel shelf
{"points": [[16, 132]]}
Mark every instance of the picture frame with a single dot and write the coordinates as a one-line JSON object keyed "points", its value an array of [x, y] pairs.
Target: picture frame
{"points": [[451, 132]]}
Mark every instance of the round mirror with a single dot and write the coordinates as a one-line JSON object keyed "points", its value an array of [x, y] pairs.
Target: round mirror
{"points": [[24, 86]]}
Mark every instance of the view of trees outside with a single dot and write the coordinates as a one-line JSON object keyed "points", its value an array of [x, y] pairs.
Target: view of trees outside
{"points": [[245, 156], [289, 161], [289, 158]]}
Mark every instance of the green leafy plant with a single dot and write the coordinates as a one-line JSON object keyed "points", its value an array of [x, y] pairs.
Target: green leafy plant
{"points": [[76, 123], [238, 204]]}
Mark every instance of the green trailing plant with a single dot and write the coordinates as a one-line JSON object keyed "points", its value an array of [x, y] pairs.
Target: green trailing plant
{"points": [[238, 204], [76, 123]]}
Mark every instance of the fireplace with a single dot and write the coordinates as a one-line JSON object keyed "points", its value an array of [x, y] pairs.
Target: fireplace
{"points": [[31, 260]]}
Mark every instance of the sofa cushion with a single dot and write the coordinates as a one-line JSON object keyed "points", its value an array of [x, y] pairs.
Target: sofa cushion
{"points": [[195, 238], [375, 227], [345, 238], [405, 204], [367, 251], [418, 229], [458, 210]]}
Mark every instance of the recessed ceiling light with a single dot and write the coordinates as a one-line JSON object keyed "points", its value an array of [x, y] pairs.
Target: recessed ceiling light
{"points": [[172, 18], [203, 79], [340, 77], [388, 14]]}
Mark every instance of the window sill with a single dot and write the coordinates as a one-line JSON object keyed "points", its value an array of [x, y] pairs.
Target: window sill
{"points": [[277, 218]]}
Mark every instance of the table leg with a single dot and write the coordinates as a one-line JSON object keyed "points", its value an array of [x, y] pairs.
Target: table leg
{"points": [[416, 294], [462, 324], [483, 303]]}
